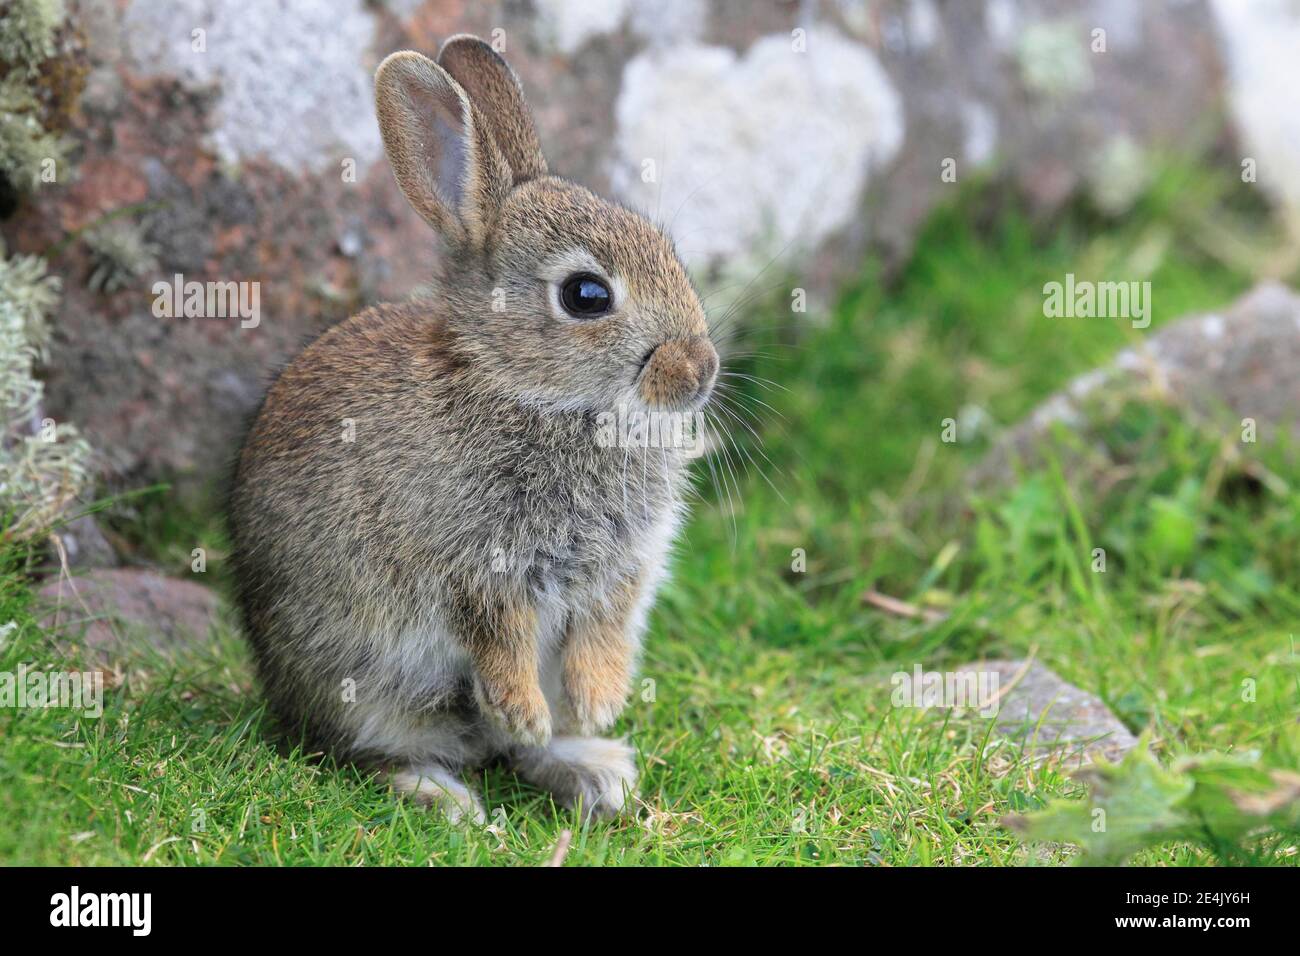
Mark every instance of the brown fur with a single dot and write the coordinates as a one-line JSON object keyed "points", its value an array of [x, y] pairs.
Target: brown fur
{"points": [[495, 91], [598, 659], [502, 644]]}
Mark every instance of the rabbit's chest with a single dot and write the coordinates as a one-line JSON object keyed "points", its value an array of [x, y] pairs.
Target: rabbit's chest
{"points": [[553, 510], [582, 526]]}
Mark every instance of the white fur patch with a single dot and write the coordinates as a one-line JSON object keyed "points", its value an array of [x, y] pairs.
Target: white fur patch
{"points": [[433, 786], [593, 773]]}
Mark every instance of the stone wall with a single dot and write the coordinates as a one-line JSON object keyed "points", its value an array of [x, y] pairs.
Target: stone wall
{"points": [[238, 140]]}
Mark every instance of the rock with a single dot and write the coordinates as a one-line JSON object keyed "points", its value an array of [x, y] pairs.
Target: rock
{"points": [[85, 545], [1228, 368], [808, 140], [260, 67], [109, 610], [1240, 362], [565, 26], [1053, 719], [1259, 42], [243, 141]]}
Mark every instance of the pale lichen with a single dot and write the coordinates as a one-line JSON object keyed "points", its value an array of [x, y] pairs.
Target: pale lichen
{"points": [[119, 254], [43, 465], [30, 151], [27, 32]]}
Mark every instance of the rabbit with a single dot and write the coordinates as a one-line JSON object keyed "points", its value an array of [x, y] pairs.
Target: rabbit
{"points": [[438, 563]]}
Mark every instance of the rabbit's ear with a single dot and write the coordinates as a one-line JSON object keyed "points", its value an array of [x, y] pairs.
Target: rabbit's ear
{"points": [[497, 94], [442, 153]]}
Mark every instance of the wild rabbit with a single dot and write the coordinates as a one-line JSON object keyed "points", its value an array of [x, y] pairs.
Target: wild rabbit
{"points": [[438, 562]]}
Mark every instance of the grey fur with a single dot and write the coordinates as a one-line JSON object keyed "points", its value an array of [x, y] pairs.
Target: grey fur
{"points": [[438, 562]]}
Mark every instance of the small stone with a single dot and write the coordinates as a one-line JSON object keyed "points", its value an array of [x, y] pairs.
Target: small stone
{"points": [[85, 545], [111, 609], [1052, 718]]}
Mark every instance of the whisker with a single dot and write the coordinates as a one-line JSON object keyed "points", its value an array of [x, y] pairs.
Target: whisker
{"points": [[759, 401], [719, 326], [689, 196], [731, 392], [727, 467], [758, 380], [740, 449]]}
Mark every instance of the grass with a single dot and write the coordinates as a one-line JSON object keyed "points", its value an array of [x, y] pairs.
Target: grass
{"points": [[763, 721]]}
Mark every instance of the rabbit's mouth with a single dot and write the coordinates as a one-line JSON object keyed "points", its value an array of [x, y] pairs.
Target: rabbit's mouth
{"points": [[679, 373]]}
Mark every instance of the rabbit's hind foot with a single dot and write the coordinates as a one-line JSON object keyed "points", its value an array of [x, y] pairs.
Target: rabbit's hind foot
{"points": [[591, 774], [433, 786]]}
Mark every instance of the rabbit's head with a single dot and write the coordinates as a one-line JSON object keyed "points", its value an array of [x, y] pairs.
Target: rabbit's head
{"points": [[558, 297]]}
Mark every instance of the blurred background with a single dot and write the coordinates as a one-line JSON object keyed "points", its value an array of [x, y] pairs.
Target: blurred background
{"points": [[230, 141], [875, 196]]}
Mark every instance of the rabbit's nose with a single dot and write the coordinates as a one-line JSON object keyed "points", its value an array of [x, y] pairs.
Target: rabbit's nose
{"points": [[680, 372]]}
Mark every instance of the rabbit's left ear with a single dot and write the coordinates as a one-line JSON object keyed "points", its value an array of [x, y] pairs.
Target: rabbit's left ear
{"points": [[441, 151], [497, 94]]}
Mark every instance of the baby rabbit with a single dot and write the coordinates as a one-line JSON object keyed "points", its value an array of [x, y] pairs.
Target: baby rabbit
{"points": [[438, 561]]}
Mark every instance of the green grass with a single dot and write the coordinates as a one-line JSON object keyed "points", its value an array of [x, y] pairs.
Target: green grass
{"points": [[766, 733]]}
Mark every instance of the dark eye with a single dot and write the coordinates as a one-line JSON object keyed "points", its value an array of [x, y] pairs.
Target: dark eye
{"points": [[583, 295]]}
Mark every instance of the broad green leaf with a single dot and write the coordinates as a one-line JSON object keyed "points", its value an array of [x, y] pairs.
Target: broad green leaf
{"points": [[1215, 800]]}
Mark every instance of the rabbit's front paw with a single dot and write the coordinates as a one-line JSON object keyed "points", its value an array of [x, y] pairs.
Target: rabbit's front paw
{"points": [[596, 697], [597, 662], [596, 679], [521, 712]]}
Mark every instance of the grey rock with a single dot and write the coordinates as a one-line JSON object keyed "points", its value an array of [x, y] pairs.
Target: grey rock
{"points": [[1259, 43], [1241, 361], [298, 67], [113, 611], [1225, 368], [255, 155], [1053, 719]]}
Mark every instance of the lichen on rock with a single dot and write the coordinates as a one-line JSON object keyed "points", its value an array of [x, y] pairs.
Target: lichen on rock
{"points": [[801, 119], [43, 465], [37, 90], [27, 31], [290, 84]]}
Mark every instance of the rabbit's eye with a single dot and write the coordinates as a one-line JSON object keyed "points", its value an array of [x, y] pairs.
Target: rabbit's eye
{"points": [[583, 295]]}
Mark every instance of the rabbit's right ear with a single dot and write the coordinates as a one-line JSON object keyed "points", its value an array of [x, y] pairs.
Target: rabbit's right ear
{"points": [[441, 151], [495, 90]]}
